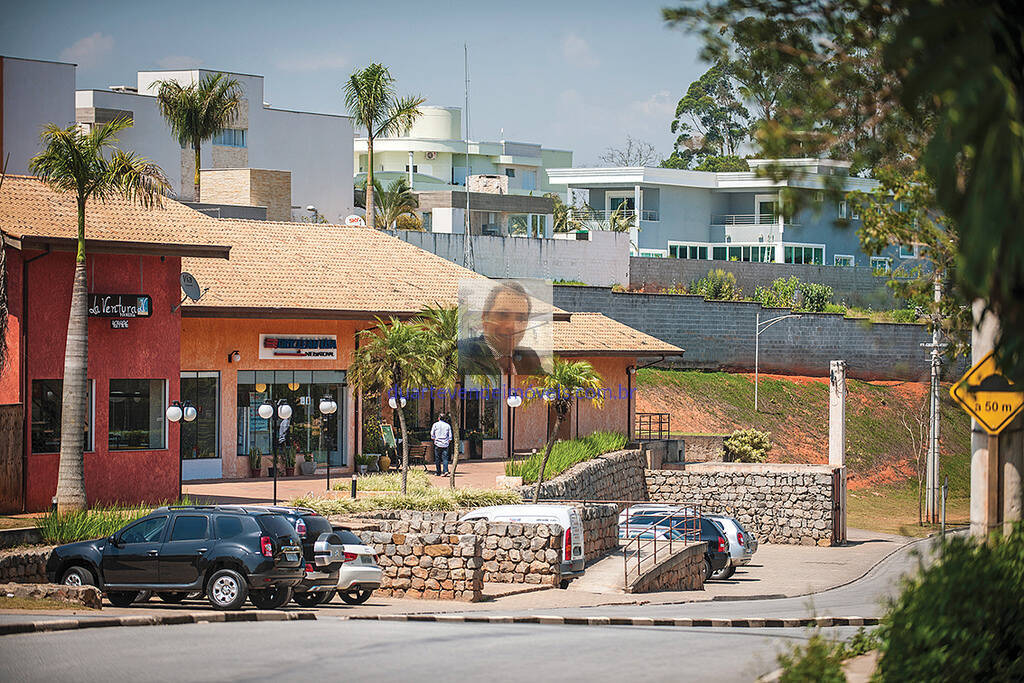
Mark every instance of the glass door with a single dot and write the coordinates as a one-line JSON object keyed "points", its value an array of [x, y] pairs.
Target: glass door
{"points": [[199, 442]]}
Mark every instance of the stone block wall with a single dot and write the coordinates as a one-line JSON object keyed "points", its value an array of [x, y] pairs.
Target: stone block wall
{"points": [[703, 447], [600, 529], [778, 503], [86, 596], [24, 565], [429, 566], [683, 570], [612, 476]]}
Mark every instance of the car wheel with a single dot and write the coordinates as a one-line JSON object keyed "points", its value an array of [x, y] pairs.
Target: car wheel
{"points": [[78, 576], [122, 598], [271, 598], [226, 590], [355, 596], [708, 570], [724, 572], [311, 599], [173, 598]]}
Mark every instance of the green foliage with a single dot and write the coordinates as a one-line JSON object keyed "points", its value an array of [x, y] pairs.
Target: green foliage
{"points": [[390, 204], [748, 445], [431, 499], [722, 164], [710, 120], [862, 643], [565, 454], [717, 285], [816, 298], [99, 522], [288, 455], [960, 619], [819, 660], [419, 481], [569, 282], [255, 458], [366, 459]]}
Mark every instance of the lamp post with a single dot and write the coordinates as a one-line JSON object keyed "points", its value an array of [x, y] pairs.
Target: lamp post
{"points": [[176, 412], [395, 404], [284, 412], [328, 406], [513, 401], [758, 329]]}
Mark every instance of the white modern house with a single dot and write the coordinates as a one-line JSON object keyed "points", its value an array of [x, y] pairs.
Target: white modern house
{"points": [[33, 93], [434, 153]]}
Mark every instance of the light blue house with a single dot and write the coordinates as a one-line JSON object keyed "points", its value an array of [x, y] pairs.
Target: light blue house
{"points": [[732, 216]]}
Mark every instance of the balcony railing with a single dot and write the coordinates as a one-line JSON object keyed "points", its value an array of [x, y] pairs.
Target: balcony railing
{"points": [[744, 219], [596, 215]]}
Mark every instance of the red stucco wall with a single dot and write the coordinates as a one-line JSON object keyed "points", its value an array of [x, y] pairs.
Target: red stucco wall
{"points": [[148, 349]]}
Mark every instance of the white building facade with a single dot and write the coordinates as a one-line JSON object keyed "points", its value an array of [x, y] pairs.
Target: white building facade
{"points": [[33, 93]]}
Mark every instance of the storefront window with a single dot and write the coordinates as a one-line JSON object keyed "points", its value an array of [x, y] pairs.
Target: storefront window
{"points": [[47, 397], [312, 434], [200, 438], [136, 416], [481, 412]]}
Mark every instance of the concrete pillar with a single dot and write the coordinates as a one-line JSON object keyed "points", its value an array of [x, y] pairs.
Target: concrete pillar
{"points": [[634, 233], [780, 256], [837, 436]]}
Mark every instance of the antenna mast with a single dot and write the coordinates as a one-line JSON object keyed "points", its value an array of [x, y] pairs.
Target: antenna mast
{"points": [[467, 253]]}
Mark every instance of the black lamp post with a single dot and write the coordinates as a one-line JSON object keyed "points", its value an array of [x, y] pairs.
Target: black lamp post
{"points": [[176, 412], [328, 406], [284, 412]]}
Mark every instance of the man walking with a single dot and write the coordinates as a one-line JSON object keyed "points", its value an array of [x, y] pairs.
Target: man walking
{"points": [[441, 435]]}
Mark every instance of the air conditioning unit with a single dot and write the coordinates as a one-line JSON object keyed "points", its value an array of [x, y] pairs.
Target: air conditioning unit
{"points": [[430, 155]]}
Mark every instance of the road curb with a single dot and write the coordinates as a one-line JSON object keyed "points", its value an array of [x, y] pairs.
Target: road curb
{"points": [[46, 626], [810, 622]]}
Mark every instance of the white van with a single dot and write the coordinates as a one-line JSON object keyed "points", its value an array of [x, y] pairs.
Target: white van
{"points": [[565, 516]]}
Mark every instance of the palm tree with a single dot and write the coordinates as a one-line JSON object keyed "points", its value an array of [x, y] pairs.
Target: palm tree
{"points": [[198, 111], [397, 200], [441, 324], [566, 381], [74, 161], [370, 97], [393, 356]]}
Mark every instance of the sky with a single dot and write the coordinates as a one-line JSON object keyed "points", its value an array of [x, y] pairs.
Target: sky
{"points": [[568, 75]]}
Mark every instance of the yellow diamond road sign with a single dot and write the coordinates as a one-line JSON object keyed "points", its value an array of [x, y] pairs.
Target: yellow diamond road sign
{"points": [[988, 396]]}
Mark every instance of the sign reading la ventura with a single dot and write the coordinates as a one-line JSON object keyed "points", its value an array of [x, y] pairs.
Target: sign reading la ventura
{"points": [[120, 305]]}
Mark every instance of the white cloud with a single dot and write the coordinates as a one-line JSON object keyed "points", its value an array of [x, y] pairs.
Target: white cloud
{"points": [[577, 52], [313, 62], [89, 51], [179, 62], [658, 106]]}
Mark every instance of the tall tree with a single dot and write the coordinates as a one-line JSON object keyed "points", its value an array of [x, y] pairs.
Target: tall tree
{"points": [[710, 119], [441, 324], [392, 202], [371, 98], [198, 111], [560, 388], [88, 166], [393, 357]]}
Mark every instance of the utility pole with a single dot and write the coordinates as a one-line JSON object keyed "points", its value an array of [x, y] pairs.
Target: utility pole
{"points": [[932, 491]]}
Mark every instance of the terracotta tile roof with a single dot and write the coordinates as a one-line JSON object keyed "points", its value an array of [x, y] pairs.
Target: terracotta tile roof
{"points": [[590, 334], [32, 213], [321, 270]]}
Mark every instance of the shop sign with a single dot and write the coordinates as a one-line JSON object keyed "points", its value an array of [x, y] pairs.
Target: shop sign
{"points": [[323, 347], [119, 324], [120, 305]]}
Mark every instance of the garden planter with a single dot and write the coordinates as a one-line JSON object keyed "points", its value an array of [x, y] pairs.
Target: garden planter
{"points": [[255, 473], [289, 471], [307, 468]]}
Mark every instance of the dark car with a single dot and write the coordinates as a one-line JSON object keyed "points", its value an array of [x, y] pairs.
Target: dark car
{"points": [[226, 552], [323, 552], [664, 525]]}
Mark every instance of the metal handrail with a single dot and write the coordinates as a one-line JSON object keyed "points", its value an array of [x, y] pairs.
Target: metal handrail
{"points": [[603, 215], [645, 425]]}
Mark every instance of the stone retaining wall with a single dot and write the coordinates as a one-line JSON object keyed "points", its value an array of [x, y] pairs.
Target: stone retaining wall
{"points": [[600, 529], [429, 566], [681, 571], [24, 565], [612, 476], [779, 503], [86, 596]]}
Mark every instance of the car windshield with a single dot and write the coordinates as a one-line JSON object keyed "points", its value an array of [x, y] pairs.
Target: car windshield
{"points": [[316, 525], [276, 524]]}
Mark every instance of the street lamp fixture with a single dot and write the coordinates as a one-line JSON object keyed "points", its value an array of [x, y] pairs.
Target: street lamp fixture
{"points": [[513, 401], [394, 403], [760, 327], [175, 413], [327, 406], [284, 412]]}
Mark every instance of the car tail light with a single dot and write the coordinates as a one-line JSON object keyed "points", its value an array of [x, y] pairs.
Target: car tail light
{"points": [[721, 544], [266, 547], [309, 567], [739, 537], [568, 544], [300, 526], [349, 557]]}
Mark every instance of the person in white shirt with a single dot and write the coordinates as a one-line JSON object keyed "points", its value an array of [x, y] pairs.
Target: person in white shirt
{"points": [[441, 435]]}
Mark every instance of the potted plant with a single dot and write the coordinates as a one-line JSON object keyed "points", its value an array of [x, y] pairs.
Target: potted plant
{"points": [[307, 466], [255, 462], [384, 463], [364, 461], [289, 460]]}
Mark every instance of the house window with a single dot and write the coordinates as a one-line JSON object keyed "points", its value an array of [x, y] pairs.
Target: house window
{"points": [[688, 251], [529, 180], [201, 437], [718, 253], [654, 253], [855, 212], [518, 224], [230, 137], [136, 415], [844, 260], [537, 225], [510, 172], [415, 168], [362, 163], [47, 398], [427, 219], [907, 251], [880, 264], [843, 209], [804, 254]]}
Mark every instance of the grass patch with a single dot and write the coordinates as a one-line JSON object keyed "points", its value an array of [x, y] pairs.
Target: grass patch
{"points": [[565, 454], [432, 499], [16, 522], [99, 522], [418, 480], [37, 603]]}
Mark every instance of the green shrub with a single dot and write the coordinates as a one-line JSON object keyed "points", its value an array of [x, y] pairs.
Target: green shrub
{"points": [[565, 454], [368, 459], [960, 619], [748, 445], [717, 285], [815, 297], [817, 661], [99, 522], [418, 480], [904, 315], [431, 499]]}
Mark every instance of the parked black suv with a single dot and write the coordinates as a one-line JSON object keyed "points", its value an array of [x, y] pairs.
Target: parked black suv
{"points": [[227, 552], [716, 557], [323, 552]]}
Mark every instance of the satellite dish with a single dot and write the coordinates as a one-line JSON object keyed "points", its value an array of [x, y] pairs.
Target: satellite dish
{"points": [[190, 286], [355, 220]]}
